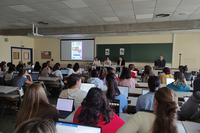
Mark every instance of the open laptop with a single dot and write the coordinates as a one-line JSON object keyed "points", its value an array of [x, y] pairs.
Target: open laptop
{"points": [[65, 107], [64, 72], [124, 90], [86, 86], [63, 127], [114, 104], [35, 76], [169, 80], [35, 72], [145, 91]]}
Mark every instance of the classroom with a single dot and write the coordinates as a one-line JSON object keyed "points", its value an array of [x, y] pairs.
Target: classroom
{"points": [[75, 54]]}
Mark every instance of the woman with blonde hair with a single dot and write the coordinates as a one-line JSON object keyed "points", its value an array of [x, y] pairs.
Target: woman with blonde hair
{"points": [[35, 105], [163, 120]]}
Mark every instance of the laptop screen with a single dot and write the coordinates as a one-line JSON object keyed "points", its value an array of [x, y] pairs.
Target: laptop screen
{"points": [[34, 76], [1, 75], [62, 127], [169, 80], [86, 86], [145, 91], [35, 72], [64, 71], [65, 104], [82, 69], [14, 74], [124, 90]]}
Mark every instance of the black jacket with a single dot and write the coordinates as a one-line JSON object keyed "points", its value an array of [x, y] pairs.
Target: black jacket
{"points": [[122, 64]]}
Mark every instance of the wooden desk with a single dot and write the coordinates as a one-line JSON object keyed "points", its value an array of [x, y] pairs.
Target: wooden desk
{"points": [[182, 94], [145, 85], [191, 127], [7, 89], [50, 79]]}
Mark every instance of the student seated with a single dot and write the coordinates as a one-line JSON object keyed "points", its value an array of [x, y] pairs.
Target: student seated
{"points": [[190, 109], [29, 66], [95, 111], [35, 105], [70, 70], [19, 67], [126, 79], [163, 120], [21, 80], [45, 71], [112, 70], [56, 72], [179, 84], [167, 74], [3, 66], [107, 62], [188, 76], [95, 80], [36, 125], [102, 75], [145, 102], [72, 90], [132, 68], [114, 93], [8, 75], [147, 73], [37, 66], [8, 65], [76, 69], [96, 62], [49, 64]]}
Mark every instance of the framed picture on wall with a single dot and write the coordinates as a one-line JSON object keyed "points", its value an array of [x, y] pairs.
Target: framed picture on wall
{"points": [[26, 55], [16, 55]]}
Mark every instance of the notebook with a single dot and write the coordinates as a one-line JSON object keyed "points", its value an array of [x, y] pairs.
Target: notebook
{"points": [[124, 90], [65, 107], [63, 127]]}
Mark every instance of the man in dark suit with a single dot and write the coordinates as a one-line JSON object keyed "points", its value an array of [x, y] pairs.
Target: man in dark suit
{"points": [[160, 62], [120, 62]]}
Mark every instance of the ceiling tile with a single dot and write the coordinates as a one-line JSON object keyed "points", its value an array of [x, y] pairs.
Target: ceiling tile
{"points": [[144, 20], [161, 19], [194, 17], [102, 9], [142, 0], [49, 12], [67, 12], [84, 10], [119, 1], [107, 19], [187, 13], [108, 14], [38, 7], [125, 13], [75, 3], [20, 24], [145, 4], [23, 15], [55, 5], [21, 8], [187, 8], [170, 9], [144, 11], [97, 2], [144, 16], [37, 14], [122, 7], [190, 2], [113, 22], [174, 18], [90, 15], [68, 21], [167, 3], [46, 0], [126, 17], [9, 2], [128, 21], [59, 17]]}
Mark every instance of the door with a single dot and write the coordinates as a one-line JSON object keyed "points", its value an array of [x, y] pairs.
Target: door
{"points": [[16, 55], [26, 53]]}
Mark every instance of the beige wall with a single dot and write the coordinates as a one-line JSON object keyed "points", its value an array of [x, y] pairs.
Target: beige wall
{"points": [[13, 41]]}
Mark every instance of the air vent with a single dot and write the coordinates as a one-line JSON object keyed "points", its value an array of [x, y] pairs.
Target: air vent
{"points": [[162, 15], [43, 23]]}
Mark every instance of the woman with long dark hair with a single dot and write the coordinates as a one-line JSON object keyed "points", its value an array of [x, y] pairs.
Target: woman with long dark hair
{"points": [[114, 93], [96, 111], [77, 69], [126, 79], [45, 71], [72, 90], [35, 105], [147, 73], [37, 66], [163, 120], [56, 72]]}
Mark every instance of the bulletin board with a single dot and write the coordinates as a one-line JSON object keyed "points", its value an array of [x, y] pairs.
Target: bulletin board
{"points": [[45, 54]]}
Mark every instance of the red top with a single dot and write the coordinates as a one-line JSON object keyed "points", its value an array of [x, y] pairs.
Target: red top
{"points": [[133, 74], [117, 78], [111, 127]]}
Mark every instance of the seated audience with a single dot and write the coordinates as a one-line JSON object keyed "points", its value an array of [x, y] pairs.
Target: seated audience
{"points": [[29, 65], [37, 66], [95, 111], [36, 125], [19, 67], [180, 83], [188, 76], [132, 68], [72, 90], [147, 73], [57, 73], [21, 80], [180, 68], [126, 79], [107, 62], [35, 105], [102, 75], [167, 74], [8, 65], [8, 75], [112, 70], [145, 102], [49, 64], [3, 66], [76, 69], [190, 109], [95, 80], [163, 120], [96, 62], [45, 71], [2, 81], [70, 70], [114, 93]]}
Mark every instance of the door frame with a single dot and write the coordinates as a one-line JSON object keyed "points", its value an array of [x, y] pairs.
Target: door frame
{"points": [[31, 52]]}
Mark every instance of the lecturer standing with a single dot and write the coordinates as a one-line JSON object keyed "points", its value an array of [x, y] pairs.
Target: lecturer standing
{"points": [[160, 62]]}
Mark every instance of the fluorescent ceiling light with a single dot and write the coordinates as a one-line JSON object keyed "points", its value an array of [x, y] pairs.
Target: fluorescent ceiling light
{"points": [[144, 16], [75, 3], [68, 21], [21, 8], [108, 19]]}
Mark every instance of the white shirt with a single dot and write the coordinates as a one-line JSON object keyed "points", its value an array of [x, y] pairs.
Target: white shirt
{"points": [[71, 71], [58, 73], [8, 76], [109, 62], [142, 122], [79, 71], [96, 63]]}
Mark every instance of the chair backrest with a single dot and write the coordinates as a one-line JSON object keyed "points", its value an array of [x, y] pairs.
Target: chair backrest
{"points": [[115, 105]]}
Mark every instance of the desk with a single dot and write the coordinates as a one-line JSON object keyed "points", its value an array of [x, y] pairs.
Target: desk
{"points": [[191, 127], [145, 85], [7, 89], [182, 94], [50, 79]]}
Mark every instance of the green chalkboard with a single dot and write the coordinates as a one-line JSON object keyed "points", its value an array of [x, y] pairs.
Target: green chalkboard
{"points": [[136, 52]]}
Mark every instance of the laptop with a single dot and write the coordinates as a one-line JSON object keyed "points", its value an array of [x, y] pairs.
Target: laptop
{"points": [[114, 104], [35, 76], [29, 70], [82, 69], [65, 107], [144, 91], [169, 80], [1, 75], [63, 127], [124, 90], [64, 72], [14, 74], [35, 72], [86, 86]]}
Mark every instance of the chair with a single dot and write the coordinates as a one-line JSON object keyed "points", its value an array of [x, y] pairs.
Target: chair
{"points": [[115, 105]]}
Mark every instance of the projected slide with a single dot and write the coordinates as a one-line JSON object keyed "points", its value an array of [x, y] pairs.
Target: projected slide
{"points": [[77, 48]]}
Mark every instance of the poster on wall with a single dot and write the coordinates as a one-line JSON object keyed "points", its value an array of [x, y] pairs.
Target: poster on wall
{"points": [[107, 51], [121, 51], [77, 50]]}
